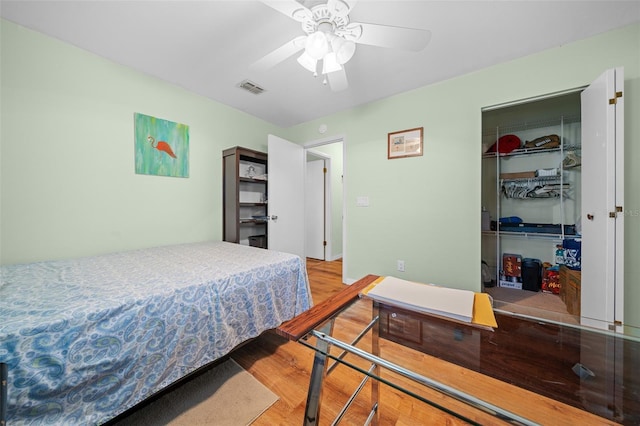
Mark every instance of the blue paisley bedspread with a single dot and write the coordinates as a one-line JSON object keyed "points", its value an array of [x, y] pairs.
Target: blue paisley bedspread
{"points": [[86, 339]]}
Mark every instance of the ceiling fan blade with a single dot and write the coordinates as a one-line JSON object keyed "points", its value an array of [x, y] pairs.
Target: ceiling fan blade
{"points": [[393, 37], [290, 8], [280, 54], [352, 4], [338, 80], [340, 7]]}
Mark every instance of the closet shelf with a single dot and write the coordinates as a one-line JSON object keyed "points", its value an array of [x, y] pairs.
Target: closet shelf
{"points": [[533, 235], [529, 235], [530, 151], [533, 180], [535, 124]]}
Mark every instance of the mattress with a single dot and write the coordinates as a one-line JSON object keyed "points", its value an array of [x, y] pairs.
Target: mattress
{"points": [[88, 338]]}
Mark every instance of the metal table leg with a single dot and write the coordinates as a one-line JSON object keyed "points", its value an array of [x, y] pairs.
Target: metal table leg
{"points": [[375, 350], [318, 373]]}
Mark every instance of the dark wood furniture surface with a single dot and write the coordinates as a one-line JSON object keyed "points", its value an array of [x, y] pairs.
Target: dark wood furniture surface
{"points": [[548, 359], [593, 371]]}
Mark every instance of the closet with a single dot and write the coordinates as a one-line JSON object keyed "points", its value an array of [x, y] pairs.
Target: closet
{"points": [[552, 190]]}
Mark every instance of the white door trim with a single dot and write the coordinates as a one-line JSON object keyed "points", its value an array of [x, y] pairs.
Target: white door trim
{"points": [[326, 141]]}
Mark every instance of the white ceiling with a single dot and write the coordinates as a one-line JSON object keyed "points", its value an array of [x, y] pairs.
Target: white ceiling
{"points": [[207, 46]]}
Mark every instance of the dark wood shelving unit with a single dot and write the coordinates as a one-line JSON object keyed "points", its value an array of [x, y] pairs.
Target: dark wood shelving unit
{"points": [[244, 192]]}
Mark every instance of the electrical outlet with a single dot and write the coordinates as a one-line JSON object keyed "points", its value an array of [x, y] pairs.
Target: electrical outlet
{"points": [[362, 201], [401, 265]]}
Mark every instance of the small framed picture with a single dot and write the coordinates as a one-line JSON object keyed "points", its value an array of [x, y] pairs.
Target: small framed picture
{"points": [[405, 143]]}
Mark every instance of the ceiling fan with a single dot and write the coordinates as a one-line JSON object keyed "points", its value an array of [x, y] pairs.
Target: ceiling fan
{"points": [[331, 38]]}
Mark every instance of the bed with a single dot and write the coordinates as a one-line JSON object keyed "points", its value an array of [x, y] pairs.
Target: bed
{"points": [[86, 339]]}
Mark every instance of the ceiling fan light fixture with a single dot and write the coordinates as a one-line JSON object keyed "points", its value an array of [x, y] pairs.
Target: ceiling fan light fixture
{"points": [[308, 62], [330, 63], [344, 49], [331, 37], [317, 45]]}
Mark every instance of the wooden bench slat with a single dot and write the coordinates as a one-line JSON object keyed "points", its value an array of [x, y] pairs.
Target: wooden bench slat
{"points": [[297, 327]]}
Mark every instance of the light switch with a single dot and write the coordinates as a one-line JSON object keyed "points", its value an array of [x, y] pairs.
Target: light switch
{"points": [[362, 201]]}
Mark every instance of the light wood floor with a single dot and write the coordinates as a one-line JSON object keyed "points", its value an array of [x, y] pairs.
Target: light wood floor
{"points": [[537, 304], [285, 368]]}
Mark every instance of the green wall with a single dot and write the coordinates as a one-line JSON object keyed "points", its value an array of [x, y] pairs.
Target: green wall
{"points": [[68, 179], [69, 187], [425, 210]]}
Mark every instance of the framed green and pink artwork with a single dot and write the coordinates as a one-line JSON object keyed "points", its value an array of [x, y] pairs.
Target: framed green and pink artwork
{"points": [[162, 147]]}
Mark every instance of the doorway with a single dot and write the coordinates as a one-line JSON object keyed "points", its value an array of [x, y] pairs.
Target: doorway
{"points": [[324, 214], [317, 198]]}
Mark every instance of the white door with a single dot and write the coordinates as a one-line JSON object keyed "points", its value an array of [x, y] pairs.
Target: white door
{"points": [[602, 293], [286, 196], [315, 209]]}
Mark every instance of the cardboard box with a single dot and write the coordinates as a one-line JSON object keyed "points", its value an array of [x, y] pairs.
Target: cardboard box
{"points": [[518, 175], [512, 265], [570, 289]]}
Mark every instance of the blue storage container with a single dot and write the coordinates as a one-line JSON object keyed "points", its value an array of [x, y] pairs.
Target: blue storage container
{"points": [[572, 253]]}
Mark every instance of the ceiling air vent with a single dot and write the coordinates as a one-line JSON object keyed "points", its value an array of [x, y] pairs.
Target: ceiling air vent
{"points": [[251, 87]]}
